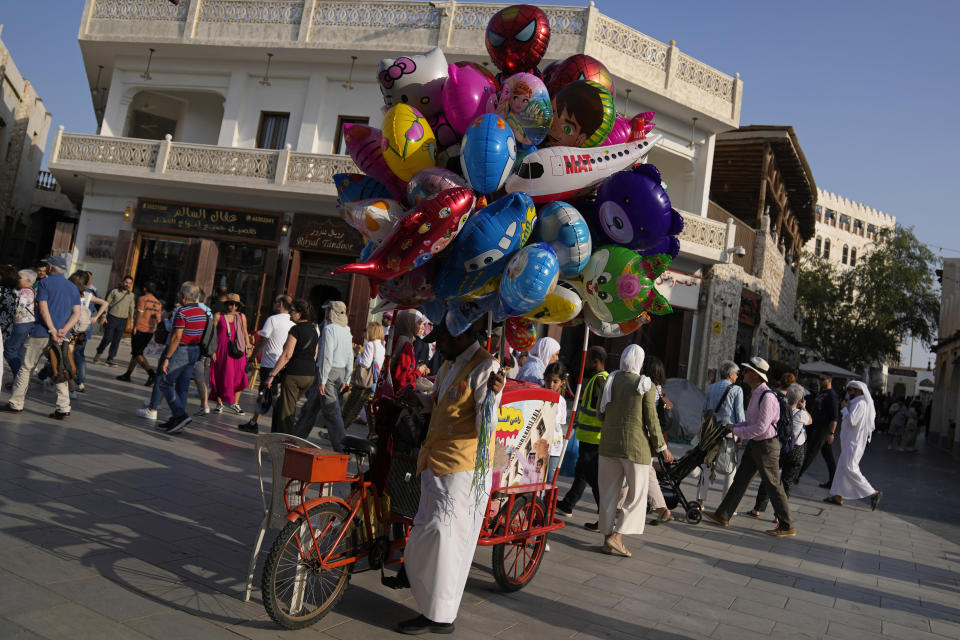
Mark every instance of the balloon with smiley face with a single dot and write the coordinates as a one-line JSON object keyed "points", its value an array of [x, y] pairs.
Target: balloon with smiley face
{"points": [[633, 210], [524, 103], [529, 276], [619, 284], [583, 115], [517, 37], [488, 153]]}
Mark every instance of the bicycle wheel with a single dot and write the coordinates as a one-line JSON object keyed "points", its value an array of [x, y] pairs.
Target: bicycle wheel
{"points": [[296, 591], [515, 563]]}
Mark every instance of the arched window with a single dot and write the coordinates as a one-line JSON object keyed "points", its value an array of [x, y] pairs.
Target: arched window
{"points": [[816, 249], [826, 249], [853, 257], [843, 256]]}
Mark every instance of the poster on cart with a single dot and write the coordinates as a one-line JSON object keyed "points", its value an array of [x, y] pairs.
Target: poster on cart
{"points": [[527, 421]]}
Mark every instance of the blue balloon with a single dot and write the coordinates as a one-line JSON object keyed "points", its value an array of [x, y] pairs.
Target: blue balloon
{"points": [[529, 276], [568, 233], [480, 250], [488, 153], [461, 316], [353, 186]]}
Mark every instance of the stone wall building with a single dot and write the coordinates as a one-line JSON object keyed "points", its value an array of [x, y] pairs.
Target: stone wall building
{"points": [[234, 108], [24, 125], [945, 413], [763, 189], [846, 229]]}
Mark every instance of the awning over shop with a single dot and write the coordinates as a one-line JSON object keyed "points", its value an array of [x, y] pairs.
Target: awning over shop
{"points": [[825, 367]]}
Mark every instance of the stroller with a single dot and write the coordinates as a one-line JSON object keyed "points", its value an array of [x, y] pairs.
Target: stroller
{"points": [[670, 475]]}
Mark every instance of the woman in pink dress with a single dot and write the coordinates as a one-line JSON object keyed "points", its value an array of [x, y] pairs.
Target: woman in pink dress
{"points": [[228, 375]]}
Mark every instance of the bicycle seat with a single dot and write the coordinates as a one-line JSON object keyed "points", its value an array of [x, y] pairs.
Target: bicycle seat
{"points": [[358, 446]]}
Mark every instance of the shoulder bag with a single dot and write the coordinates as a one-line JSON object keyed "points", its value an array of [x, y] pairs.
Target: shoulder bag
{"points": [[234, 350]]}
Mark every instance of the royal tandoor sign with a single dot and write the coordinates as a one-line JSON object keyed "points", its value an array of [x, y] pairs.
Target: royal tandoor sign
{"points": [[210, 221]]}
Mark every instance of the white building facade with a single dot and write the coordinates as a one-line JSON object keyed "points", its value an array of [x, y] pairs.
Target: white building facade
{"points": [[846, 229], [235, 106]]}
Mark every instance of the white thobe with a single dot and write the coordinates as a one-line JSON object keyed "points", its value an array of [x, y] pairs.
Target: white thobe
{"points": [[448, 521], [855, 432]]}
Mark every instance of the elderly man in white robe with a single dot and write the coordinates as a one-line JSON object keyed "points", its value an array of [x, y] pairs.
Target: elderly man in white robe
{"points": [[855, 432], [440, 550]]}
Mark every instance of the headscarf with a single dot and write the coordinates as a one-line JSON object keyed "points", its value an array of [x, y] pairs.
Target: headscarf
{"points": [[631, 361], [404, 328], [862, 406], [537, 360]]}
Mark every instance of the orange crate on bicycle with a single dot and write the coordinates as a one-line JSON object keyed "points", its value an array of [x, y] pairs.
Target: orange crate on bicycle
{"points": [[311, 465]]}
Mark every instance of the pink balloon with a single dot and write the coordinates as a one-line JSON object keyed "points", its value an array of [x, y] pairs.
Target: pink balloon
{"points": [[465, 95], [365, 146], [619, 133]]}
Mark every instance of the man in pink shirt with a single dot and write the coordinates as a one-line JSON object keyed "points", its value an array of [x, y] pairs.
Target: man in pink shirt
{"points": [[762, 454]]}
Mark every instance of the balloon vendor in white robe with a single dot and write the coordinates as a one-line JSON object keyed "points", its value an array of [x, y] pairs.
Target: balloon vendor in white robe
{"points": [[855, 432], [465, 404]]}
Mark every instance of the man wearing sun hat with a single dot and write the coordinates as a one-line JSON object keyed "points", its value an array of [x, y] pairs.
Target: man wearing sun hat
{"points": [[762, 453]]}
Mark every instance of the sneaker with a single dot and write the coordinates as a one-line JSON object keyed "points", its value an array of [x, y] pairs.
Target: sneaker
{"points": [[564, 510], [149, 414], [60, 415], [546, 547], [81, 387], [204, 411], [237, 409], [112, 363], [715, 519], [218, 408], [421, 624], [249, 427], [9, 408], [176, 425], [591, 526], [125, 377], [780, 533]]}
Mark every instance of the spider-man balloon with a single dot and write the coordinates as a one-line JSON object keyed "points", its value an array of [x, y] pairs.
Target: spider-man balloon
{"points": [[517, 38]]}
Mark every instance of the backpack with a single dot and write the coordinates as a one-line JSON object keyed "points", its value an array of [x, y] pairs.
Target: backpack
{"points": [[784, 424], [61, 362], [83, 322], [208, 342]]}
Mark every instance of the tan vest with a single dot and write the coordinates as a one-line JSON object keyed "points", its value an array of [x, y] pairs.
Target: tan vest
{"points": [[451, 442]]}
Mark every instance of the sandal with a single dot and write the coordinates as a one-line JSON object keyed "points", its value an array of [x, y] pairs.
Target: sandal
{"points": [[875, 500], [614, 548], [833, 500], [753, 513], [665, 517]]}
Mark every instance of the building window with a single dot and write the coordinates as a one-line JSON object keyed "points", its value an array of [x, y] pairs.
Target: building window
{"points": [[829, 215], [853, 257], [843, 256], [826, 249], [819, 211], [871, 229], [272, 132], [857, 224], [339, 143], [816, 249], [844, 220]]}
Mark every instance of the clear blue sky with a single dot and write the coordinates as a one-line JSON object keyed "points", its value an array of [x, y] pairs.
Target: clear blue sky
{"points": [[869, 85]]}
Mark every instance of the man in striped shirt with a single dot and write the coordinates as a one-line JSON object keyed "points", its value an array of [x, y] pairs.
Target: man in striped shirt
{"points": [[182, 352]]}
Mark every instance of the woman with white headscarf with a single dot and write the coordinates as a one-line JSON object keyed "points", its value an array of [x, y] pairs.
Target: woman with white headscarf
{"points": [[628, 437], [545, 352], [855, 432]]}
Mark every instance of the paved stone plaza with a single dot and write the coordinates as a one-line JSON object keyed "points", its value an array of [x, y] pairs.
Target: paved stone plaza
{"points": [[109, 529]]}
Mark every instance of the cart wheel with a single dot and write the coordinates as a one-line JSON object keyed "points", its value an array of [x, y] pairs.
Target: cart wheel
{"points": [[296, 591], [515, 563], [694, 514]]}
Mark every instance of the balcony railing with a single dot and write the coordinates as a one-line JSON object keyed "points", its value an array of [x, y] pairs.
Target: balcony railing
{"points": [[399, 25], [46, 181], [198, 162]]}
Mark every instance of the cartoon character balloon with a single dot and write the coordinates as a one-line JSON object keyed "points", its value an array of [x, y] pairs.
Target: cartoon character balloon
{"points": [[583, 115], [562, 304], [517, 37], [524, 103], [418, 81], [425, 231], [356, 186], [633, 210], [365, 146], [529, 276], [487, 153], [521, 333], [374, 218], [413, 288], [577, 67], [408, 141], [489, 236], [466, 93], [618, 284], [613, 329], [428, 182], [562, 226]]}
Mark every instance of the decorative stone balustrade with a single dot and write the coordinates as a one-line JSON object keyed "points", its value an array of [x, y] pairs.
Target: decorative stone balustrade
{"points": [[129, 152], [386, 25], [702, 236]]}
